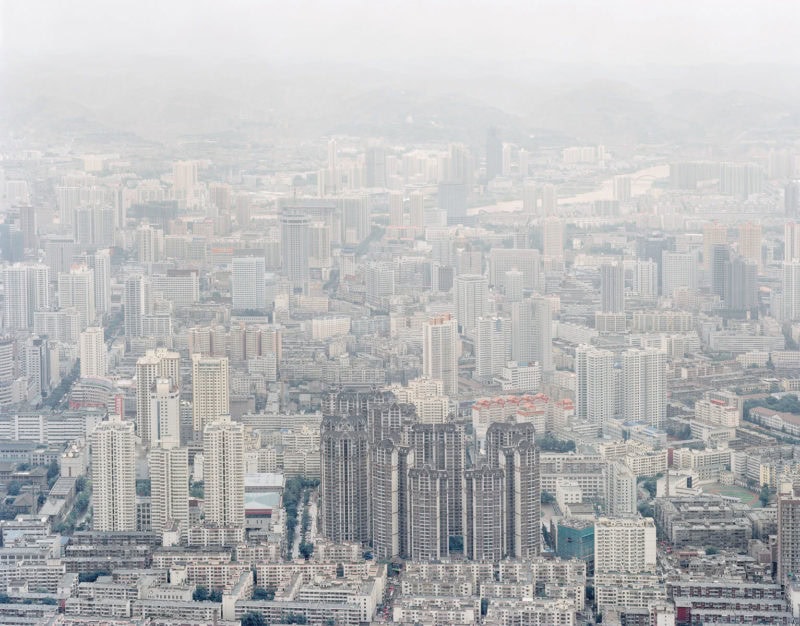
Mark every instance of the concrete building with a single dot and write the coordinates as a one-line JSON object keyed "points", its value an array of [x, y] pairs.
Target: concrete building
{"points": [[137, 304], [223, 469], [295, 249], [169, 494], [114, 476], [93, 353], [645, 390], [594, 384], [210, 390], [248, 286], [160, 363], [624, 562], [471, 298], [440, 352], [344, 485], [76, 290]]}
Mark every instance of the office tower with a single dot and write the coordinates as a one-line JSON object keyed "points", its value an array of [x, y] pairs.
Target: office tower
{"points": [[7, 370], [678, 271], [645, 389], [169, 488], [741, 286], [553, 237], [542, 333], [100, 262], [750, 241], [485, 513], [468, 260], [532, 332], [58, 253], [396, 209], [210, 390], [223, 468], [525, 260], [549, 200], [417, 221], [319, 241], [93, 226], [523, 160], [356, 219], [220, 196], [494, 154], [427, 512], [788, 531], [436, 489], [791, 290], [38, 288], [36, 365], [507, 150], [452, 199], [740, 179], [492, 347], [344, 478], [379, 284], [28, 226], [513, 285], [93, 354], [594, 384], [11, 243], [530, 197], [718, 266], [440, 351], [248, 290], [294, 249], [791, 199], [114, 476], [137, 304], [184, 175], [714, 233], [471, 300], [612, 287], [510, 447], [622, 188], [375, 167], [15, 301], [388, 467], [149, 243], [646, 283], [155, 364], [620, 490], [791, 241], [165, 413], [623, 547], [27, 290], [76, 290]]}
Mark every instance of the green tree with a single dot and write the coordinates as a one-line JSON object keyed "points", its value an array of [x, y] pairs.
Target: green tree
{"points": [[764, 494], [549, 443], [711, 551], [197, 490], [253, 619], [13, 488], [215, 595], [200, 594], [306, 549], [264, 593], [484, 606]]}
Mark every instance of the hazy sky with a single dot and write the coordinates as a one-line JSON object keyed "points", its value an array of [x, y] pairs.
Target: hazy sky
{"points": [[618, 32]]}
